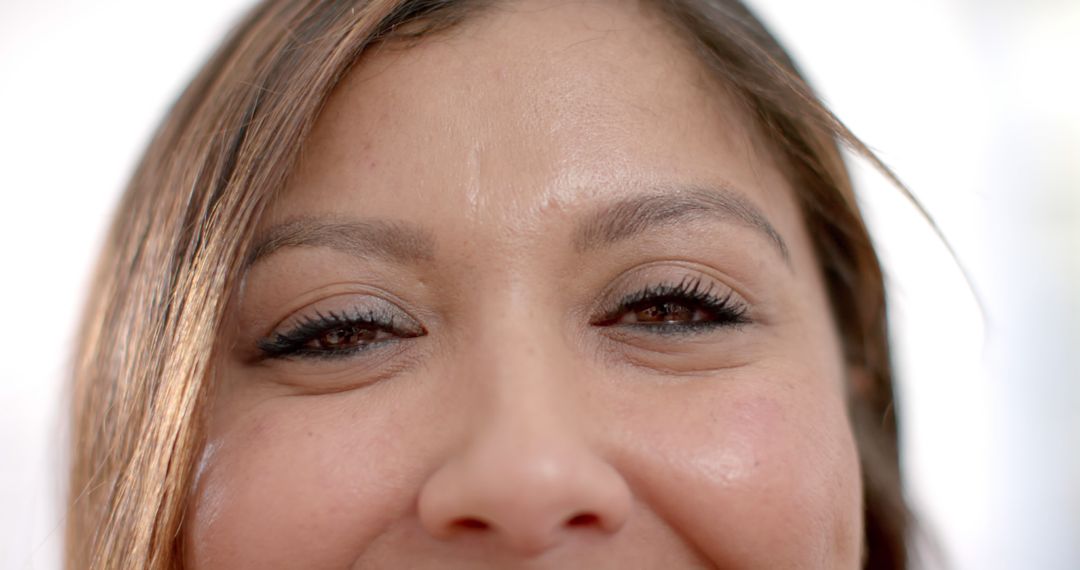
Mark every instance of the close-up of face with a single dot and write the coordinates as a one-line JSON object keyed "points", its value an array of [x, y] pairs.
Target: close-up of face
{"points": [[538, 294], [539, 285]]}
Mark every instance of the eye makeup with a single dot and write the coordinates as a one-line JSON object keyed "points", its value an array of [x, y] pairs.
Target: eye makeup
{"points": [[689, 306], [339, 334], [657, 300]]}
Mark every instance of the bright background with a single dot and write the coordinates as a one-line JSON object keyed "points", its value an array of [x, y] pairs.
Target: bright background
{"points": [[975, 103]]}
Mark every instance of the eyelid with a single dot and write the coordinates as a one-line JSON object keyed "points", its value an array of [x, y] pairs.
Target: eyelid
{"points": [[696, 289], [670, 270], [287, 338], [686, 284], [384, 321], [349, 303]]}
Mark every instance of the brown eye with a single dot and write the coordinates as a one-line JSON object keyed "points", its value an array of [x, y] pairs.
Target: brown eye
{"points": [[663, 312], [343, 337], [689, 306], [334, 335]]}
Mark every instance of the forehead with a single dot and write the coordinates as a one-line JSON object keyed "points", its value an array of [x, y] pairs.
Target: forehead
{"points": [[527, 108]]}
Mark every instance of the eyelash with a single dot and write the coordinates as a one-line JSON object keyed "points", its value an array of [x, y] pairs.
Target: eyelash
{"points": [[294, 342], [724, 311]]}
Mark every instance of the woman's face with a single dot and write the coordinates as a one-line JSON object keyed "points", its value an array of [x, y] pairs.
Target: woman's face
{"points": [[536, 296]]}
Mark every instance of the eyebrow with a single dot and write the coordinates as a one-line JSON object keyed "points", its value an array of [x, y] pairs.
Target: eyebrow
{"points": [[635, 215], [403, 242], [394, 241]]}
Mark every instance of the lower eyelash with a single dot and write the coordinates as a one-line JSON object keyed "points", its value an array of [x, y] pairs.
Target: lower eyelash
{"points": [[727, 310], [292, 343], [687, 328], [291, 350]]}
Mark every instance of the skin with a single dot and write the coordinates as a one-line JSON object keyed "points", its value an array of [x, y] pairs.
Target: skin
{"points": [[465, 185]]}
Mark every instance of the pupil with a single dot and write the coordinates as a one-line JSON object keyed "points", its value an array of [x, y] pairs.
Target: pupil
{"points": [[665, 312], [337, 337], [347, 336]]}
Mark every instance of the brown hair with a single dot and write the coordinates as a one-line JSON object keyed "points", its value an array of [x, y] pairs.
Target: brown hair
{"points": [[187, 217]]}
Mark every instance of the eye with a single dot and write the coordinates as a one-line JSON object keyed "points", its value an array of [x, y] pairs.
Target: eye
{"points": [[345, 337], [664, 311], [333, 335], [689, 305]]}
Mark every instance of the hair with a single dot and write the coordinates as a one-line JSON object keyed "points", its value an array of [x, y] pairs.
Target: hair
{"points": [[142, 370]]}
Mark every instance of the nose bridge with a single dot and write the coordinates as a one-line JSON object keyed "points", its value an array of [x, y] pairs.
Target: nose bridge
{"points": [[528, 425], [523, 362], [531, 408], [527, 475], [518, 357]]}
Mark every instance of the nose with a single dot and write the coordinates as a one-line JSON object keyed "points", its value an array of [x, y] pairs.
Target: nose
{"points": [[527, 489], [526, 478]]}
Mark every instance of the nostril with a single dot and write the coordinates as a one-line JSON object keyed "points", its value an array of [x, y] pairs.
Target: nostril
{"points": [[583, 519], [470, 523]]}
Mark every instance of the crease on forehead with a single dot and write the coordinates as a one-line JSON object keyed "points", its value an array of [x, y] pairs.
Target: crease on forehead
{"points": [[396, 72]]}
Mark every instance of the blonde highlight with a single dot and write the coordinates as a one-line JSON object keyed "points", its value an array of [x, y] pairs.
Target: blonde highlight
{"points": [[141, 380]]}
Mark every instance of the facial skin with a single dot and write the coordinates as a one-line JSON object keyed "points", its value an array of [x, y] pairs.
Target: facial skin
{"points": [[499, 191]]}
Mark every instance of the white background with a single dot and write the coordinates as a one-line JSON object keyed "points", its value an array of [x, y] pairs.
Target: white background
{"points": [[972, 102]]}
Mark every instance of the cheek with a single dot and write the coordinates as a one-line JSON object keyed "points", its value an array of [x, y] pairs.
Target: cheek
{"points": [[754, 469], [283, 486], [754, 474]]}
